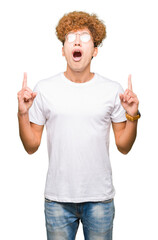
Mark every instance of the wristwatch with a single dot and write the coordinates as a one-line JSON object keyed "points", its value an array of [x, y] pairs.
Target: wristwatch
{"points": [[133, 118]]}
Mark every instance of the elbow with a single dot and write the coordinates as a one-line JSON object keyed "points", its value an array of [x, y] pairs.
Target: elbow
{"points": [[123, 150], [30, 150]]}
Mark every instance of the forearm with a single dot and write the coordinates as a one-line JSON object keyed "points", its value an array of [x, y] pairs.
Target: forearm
{"points": [[27, 134], [127, 137]]}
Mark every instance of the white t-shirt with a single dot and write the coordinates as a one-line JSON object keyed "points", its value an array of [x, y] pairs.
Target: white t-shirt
{"points": [[78, 118]]}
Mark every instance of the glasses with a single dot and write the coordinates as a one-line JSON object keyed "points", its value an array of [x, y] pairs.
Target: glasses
{"points": [[84, 37]]}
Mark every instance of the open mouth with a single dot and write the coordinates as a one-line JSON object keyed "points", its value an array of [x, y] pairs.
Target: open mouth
{"points": [[77, 55]]}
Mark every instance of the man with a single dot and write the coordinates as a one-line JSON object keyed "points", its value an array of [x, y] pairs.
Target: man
{"points": [[78, 107]]}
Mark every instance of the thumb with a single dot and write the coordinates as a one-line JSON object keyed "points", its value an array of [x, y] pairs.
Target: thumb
{"points": [[121, 97], [34, 94]]}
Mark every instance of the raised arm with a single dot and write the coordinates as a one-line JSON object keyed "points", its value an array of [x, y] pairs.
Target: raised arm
{"points": [[125, 132], [30, 133]]}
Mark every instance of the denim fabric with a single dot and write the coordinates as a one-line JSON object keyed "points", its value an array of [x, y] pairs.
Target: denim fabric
{"points": [[62, 219]]}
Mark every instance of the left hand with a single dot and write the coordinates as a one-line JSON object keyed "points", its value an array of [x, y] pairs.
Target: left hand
{"points": [[129, 99]]}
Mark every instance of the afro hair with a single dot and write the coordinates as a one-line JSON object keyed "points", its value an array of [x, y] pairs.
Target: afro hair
{"points": [[74, 21]]}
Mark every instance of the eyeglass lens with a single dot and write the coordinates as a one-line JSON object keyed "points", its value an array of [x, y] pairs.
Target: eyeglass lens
{"points": [[84, 37]]}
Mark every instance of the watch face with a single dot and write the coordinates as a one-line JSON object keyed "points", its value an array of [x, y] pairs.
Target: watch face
{"points": [[139, 113]]}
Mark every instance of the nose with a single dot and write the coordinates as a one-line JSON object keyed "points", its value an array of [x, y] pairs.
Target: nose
{"points": [[77, 40]]}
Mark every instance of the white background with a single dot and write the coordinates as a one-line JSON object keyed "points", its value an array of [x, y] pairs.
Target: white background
{"points": [[28, 43]]}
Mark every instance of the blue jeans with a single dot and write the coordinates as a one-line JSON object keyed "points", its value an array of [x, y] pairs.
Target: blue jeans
{"points": [[62, 219]]}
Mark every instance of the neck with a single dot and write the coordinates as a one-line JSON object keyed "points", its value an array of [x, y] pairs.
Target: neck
{"points": [[78, 76]]}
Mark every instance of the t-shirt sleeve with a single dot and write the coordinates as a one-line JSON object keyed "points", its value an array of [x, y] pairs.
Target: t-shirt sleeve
{"points": [[36, 111], [118, 113]]}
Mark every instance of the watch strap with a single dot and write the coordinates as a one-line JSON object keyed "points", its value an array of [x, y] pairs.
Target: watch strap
{"points": [[133, 118]]}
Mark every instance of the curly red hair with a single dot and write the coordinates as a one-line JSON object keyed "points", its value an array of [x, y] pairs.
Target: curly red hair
{"points": [[79, 20]]}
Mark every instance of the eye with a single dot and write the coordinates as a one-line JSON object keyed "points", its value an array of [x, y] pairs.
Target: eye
{"points": [[85, 37], [71, 37]]}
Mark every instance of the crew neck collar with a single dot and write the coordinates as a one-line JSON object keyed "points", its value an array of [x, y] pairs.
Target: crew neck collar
{"points": [[68, 81]]}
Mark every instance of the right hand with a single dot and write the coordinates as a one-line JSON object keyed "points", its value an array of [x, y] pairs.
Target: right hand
{"points": [[25, 97]]}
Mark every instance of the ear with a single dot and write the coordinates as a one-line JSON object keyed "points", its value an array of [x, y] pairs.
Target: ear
{"points": [[95, 52], [63, 53]]}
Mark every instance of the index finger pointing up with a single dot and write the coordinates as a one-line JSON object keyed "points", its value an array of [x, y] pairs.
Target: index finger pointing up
{"points": [[24, 84], [129, 83]]}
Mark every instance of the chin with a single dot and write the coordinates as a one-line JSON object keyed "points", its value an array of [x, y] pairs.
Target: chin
{"points": [[79, 70], [78, 67]]}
